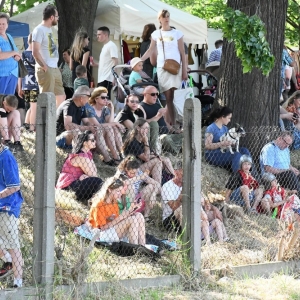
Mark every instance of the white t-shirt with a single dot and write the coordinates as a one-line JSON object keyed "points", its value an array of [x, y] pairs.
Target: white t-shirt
{"points": [[48, 50], [171, 38], [106, 63], [169, 192]]}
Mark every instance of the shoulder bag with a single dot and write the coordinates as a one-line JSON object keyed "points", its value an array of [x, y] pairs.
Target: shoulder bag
{"points": [[22, 71], [170, 65]]}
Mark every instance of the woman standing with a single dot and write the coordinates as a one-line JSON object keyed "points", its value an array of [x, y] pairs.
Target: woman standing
{"points": [[66, 74], [221, 117], [9, 58], [169, 44], [146, 36], [79, 172], [80, 54], [105, 215]]}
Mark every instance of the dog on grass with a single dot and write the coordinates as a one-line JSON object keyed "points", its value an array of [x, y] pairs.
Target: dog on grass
{"points": [[233, 135]]}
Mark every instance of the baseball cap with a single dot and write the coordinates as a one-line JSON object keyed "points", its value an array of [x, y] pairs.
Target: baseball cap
{"points": [[134, 62]]}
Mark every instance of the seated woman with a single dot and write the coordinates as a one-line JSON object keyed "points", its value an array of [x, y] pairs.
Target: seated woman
{"points": [[213, 155], [137, 144], [130, 167], [79, 172], [104, 214], [10, 122], [101, 111], [131, 111], [242, 188]]}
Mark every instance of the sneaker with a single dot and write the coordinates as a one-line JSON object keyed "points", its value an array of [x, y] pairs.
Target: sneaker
{"points": [[6, 269], [16, 147]]}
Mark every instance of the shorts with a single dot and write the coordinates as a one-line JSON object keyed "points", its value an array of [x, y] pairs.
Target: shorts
{"points": [[237, 198], [61, 142], [50, 81], [109, 235], [9, 233], [31, 96]]}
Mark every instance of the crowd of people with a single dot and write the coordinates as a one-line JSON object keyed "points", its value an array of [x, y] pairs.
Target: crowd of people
{"points": [[130, 141]]}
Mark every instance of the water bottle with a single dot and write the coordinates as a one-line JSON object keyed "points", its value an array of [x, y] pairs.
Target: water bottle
{"points": [[274, 214]]}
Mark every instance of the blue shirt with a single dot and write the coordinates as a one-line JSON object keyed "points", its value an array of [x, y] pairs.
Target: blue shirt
{"points": [[271, 155], [9, 178], [216, 132], [215, 55], [8, 66], [91, 113], [134, 76]]}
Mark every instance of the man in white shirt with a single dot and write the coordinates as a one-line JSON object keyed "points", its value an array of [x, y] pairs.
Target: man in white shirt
{"points": [[108, 59], [45, 52], [172, 200]]}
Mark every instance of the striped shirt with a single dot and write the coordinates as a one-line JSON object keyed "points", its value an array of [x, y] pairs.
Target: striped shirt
{"points": [[215, 55]]}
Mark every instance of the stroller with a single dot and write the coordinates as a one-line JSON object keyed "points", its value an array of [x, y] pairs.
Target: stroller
{"points": [[122, 88], [206, 96]]}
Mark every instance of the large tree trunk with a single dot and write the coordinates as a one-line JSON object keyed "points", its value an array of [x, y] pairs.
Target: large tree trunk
{"points": [[254, 97], [72, 16]]}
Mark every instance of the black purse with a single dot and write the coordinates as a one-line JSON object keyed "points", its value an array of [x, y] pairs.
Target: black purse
{"points": [[22, 71]]}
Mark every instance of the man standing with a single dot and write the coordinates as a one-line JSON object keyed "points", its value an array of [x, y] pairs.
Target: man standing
{"points": [[216, 54], [45, 52], [275, 159], [108, 59]]}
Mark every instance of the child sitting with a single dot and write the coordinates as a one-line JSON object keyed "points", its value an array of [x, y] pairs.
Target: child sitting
{"points": [[136, 66], [215, 219], [242, 188], [274, 196], [81, 79]]}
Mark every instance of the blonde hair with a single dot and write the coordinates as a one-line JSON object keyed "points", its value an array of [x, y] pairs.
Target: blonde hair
{"points": [[96, 93], [77, 46], [162, 13]]}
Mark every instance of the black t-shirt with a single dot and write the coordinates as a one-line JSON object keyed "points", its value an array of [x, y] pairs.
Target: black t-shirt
{"points": [[134, 148], [235, 180], [147, 67], [127, 114], [77, 63], [151, 111], [68, 108]]}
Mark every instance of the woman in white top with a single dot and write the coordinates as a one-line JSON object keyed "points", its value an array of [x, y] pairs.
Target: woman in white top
{"points": [[172, 47]]}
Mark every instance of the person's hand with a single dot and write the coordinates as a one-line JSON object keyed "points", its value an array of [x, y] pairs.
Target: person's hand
{"points": [[45, 68], [111, 218], [184, 75], [120, 126], [226, 143], [21, 93], [83, 176], [145, 175], [294, 170], [110, 105], [161, 112]]}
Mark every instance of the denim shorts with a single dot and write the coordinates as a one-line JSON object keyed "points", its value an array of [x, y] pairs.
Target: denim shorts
{"points": [[61, 142], [237, 198]]}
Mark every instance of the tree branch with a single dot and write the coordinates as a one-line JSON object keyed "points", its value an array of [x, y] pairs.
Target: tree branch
{"points": [[291, 22], [2, 4]]}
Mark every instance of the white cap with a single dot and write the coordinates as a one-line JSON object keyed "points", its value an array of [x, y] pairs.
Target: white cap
{"points": [[134, 62]]}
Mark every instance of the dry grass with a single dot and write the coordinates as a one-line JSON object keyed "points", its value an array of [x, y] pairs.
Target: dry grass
{"points": [[254, 241]]}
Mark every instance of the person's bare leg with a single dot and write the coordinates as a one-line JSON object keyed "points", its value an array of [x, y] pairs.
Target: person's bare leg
{"points": [[22, 114], [178, 214], [258, 194], [59, 100], [110, 142], [17, 262], [101, 145], [216, 224], [205, 231], [245, 195], [27, 117], [4, 128], [155, 167], [140, 221], [149, 193], [14, 124], [170, 116], [167, 165], [32, 119], [118, 139], [128, 228], [266, 206]]}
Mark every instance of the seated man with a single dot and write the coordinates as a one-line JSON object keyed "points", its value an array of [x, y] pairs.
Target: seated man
{"points": [[172, 200], [155, 116], [275, 159], [69, 117]]}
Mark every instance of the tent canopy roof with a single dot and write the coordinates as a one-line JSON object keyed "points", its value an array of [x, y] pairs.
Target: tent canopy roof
{"points": [[18, 29]]}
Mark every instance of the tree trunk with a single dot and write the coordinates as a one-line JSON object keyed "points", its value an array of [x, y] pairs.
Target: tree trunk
{"points": [[253, 97], [72, 16]]}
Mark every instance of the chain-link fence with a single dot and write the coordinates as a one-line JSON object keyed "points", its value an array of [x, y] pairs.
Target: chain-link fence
{"points": [[131, 205]]}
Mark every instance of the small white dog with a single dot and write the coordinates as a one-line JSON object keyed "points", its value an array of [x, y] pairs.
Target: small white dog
{"points": [[233, 135]]}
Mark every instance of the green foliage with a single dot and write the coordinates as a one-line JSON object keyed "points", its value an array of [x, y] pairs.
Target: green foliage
{"points": [[20, 5], [292, 29], [248, 35]]}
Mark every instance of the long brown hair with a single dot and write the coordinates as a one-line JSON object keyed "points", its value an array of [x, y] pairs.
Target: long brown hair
{"points": [[77, 46], [148, 29], [134, 131]]}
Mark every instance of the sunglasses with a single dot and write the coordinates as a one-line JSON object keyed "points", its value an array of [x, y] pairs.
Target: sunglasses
{"points": [[117, 183], [103, 97], [134, 101], [88, 95], [153, 94]]}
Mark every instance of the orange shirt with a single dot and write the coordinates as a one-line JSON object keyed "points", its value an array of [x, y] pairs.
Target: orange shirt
{"points": [[100, 213]]}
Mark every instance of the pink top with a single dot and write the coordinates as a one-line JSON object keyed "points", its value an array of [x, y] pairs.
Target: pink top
{"points": [[69, 173]]}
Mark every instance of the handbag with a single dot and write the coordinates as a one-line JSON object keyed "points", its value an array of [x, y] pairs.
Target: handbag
{"points": [[170, 65], [22, 71]]}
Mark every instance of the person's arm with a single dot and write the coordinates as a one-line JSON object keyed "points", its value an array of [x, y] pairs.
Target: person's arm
{"points": [[183, 59], [110, 118], [37, 55], [150, 50], [294, 170], [128, 124], [115, 60], [227, 195], [174, 204], [273, 170], [9, 191], [8, 54], [71, 126], [145, 156], [160, 113], [86, 165], [19, 88], [217, 213], [209, 145], [71, 64], [85, 58]]}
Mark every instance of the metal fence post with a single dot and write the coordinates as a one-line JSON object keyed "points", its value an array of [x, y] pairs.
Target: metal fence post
{"points": [[44, 194], [192, 181]]}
